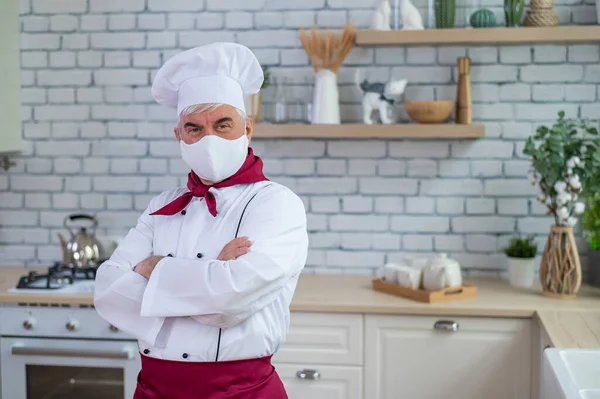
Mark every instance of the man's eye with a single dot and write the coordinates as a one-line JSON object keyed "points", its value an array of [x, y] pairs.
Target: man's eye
{"points": [[225, 126]]}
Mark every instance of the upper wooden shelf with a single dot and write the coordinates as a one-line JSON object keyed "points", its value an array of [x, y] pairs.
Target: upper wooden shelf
{"points": [[360, 131], [558, 34]]}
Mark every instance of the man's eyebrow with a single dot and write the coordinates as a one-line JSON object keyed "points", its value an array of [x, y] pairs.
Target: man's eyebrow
{"points": [[190, 124], [226, 119]]}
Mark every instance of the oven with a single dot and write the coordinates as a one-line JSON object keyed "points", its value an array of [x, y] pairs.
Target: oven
{"points": [[65, 353], [38, 368]]}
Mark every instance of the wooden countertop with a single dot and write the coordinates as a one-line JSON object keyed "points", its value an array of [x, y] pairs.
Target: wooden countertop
{"points": [[569, 323]]}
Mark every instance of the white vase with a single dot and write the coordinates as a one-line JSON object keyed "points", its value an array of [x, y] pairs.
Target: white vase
{"points": [[326, 103], [521, 272]]}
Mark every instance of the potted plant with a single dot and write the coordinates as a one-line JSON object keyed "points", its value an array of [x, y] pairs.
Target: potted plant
{"points": [[565, 165], [255, 109], [521, 261], [591, 226]]}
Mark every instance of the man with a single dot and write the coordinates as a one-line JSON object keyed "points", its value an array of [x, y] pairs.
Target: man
{"points": [[205, 279]]}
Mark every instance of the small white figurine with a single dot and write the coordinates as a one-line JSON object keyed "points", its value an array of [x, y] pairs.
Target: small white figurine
{"points": [[411, 17], [379, 97], [382, 16]]}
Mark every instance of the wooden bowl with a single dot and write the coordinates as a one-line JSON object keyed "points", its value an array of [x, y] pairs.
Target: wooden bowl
{"points": [[429, 111]]}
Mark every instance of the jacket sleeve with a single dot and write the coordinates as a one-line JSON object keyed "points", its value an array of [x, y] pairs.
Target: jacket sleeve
{"points": [[225, 293], [119, 290]]}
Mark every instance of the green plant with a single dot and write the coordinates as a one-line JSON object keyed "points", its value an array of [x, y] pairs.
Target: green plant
{"points": [[513, 11], [267, 80], [565, 166], [591, 221], [445, 13], [520, 247]]}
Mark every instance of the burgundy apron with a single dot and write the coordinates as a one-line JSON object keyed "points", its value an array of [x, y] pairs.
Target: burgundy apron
{"points": [[237, 379]]}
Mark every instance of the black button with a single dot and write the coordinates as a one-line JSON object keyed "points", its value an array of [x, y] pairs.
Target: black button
{"points": [[185, 355], [170, 255], [146, 351], [183, 212], [199, 255]]}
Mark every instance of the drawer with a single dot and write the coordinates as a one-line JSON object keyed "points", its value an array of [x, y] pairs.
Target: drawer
{"points": [[334, 382], [323, 338], [53, 322]]}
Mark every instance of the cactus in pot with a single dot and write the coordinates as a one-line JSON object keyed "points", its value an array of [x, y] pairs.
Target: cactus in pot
{"points": [[513, 11], [445, 13]]}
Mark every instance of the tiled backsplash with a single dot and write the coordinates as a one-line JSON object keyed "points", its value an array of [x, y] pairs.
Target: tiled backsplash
{"points": [[95, 141]]}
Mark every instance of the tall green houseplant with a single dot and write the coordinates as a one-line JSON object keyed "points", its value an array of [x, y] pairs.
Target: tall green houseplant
{"points": [[591, 232]]}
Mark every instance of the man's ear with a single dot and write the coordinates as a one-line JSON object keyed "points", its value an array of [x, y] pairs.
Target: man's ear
{"points": [[249, 129], [177, 135]]}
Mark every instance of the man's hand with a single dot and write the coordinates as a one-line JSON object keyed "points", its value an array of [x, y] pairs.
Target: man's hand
{"points": [[146, 267], [237, 247]]}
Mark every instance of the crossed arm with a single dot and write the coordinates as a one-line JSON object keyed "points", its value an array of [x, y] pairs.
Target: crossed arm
{"points": [[234, 249], [221, 292]]}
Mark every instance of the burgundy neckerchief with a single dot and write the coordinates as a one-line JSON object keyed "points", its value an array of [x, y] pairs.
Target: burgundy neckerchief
{"points": [[250, 172]]}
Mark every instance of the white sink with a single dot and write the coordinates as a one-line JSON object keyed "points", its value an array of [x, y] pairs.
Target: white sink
{"points": [[571, 374]]}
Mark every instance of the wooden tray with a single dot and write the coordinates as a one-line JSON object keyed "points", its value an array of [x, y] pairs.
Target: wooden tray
{"points": [[445, 295]]}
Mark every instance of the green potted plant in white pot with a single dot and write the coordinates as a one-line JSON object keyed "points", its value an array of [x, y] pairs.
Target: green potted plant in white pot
{"points": [[521, 261], [591, 232]]}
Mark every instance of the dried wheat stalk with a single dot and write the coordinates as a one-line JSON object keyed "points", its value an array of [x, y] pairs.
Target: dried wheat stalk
{"points": [[328, 50]]}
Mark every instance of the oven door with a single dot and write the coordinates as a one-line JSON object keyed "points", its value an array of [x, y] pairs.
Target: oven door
{"points": [[36, 368]]}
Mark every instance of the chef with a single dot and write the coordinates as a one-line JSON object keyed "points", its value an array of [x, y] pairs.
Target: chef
{"points": [[205, 279]]}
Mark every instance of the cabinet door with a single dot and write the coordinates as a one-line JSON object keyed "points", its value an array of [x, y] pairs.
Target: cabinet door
{"points": [[10, 78], [324, 338], [408, 357], [539, 342], [333, 382]]}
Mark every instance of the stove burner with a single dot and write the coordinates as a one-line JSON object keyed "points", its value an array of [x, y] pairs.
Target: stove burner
{"points": [[58, 276]]}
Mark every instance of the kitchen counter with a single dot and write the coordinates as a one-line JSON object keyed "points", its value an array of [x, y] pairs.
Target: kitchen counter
{"points": [[570, 323]]}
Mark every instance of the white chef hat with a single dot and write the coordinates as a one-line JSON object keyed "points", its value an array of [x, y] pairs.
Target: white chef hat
{"points": [[214, 73]]}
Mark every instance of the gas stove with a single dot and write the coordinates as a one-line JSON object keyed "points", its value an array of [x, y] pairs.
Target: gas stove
{"points": [[59, 278]]}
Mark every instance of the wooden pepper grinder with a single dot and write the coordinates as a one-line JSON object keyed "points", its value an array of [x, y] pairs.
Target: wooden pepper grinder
{"points": [[464, 112]]}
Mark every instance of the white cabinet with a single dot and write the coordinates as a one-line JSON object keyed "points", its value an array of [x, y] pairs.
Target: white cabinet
{"points": [[322, 357], [334, 382], [539, 342], [323, 338], [408, 357], [10, 78]]}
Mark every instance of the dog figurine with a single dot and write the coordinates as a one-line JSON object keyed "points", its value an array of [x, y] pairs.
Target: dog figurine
{"points": [[379, 97]]}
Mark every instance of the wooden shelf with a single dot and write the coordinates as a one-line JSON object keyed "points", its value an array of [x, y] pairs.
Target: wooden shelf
{"points": [[523, 35], [360, 131]]}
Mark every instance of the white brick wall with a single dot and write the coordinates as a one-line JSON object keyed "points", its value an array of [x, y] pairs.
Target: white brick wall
{"points": [[95, 141]]}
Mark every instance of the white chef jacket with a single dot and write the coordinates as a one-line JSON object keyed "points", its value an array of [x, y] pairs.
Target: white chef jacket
{"points": [[194, 305]]}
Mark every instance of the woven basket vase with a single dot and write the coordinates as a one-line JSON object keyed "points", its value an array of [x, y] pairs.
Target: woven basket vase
{"points": [[560, 269], [541, 4], [541, 18], [541, 13]]}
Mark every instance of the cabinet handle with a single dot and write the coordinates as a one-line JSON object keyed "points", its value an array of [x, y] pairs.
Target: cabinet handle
{"points": [[446, 325], [313, 375], [124, 354]]}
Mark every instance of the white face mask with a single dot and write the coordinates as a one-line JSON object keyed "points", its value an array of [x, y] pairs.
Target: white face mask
{"points": [[214, 158]]}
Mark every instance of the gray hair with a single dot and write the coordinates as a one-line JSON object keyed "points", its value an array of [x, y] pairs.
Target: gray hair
{"points": [[200, 108]]}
